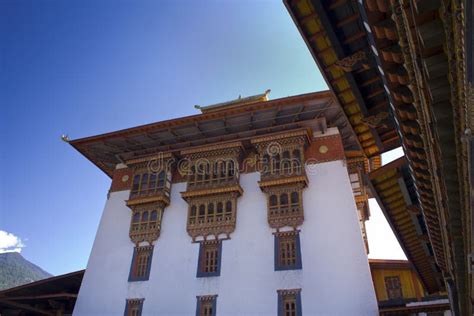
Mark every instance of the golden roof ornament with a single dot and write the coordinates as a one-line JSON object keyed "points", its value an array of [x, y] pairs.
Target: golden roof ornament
{"points": [[234, 103]]}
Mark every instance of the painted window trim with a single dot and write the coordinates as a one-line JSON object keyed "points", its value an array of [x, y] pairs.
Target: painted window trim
{"points": [[146, 277], [299, 311], [199, 301], [299, 263], [199, 273], [127, 303]]}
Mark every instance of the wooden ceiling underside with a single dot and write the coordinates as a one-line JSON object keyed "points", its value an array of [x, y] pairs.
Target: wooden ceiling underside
{"points": [[399, 49], [336, 38]]}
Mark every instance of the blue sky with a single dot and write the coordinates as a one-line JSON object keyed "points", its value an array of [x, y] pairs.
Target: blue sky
{"points": [[88, 67]]}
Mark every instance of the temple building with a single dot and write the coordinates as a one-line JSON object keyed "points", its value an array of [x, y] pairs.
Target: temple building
{"points": [[252, 207], [402, 72]]}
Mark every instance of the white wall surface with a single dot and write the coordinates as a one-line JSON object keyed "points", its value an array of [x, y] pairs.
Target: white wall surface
{"points": [[335, 279]]}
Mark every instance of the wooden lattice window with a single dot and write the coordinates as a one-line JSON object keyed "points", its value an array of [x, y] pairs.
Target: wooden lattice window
{"points": [[286, 162], [206, 305], [220, 170], [287, 251], [393, 287], [133, 307], [145, 222], [210, 212], [284, 203], [209, 258], [149, 183], [289, 302], [141, 263]]}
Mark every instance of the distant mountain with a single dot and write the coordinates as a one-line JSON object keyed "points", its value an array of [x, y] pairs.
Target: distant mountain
{"points": [[16, 270]]}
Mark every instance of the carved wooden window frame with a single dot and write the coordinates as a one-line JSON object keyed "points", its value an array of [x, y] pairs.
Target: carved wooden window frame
{"points": [[211, 211], [285, 202], [212, 215], [210, 258], [141, 263], [289, 302], [133, 307], [206, 305], [287, 162], [148, 183], [206, 172], [145, 222], [285, 205], [287, 250]]}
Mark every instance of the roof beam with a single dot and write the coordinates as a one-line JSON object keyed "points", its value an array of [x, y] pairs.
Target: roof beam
{"points": [[26, 307]]}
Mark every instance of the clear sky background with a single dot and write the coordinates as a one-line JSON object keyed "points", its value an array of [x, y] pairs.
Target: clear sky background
{"points": [[89, 67]]}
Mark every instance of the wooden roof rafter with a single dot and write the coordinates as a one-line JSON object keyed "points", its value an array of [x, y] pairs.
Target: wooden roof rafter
{"points": [[328, 48]]}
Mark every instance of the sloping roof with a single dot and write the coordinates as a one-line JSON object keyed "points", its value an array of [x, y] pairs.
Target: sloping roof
{"points": [[312, 110], [392, 186], [43, 297]]}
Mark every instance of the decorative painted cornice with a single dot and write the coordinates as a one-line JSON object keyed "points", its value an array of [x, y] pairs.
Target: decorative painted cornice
{"points": [[302, 179], [212, 191], [307, 133], [146, 200], [161, 155], [210, 148]]}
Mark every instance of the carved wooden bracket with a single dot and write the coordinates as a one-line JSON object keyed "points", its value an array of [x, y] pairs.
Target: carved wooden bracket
{"points": [[353, 62]]}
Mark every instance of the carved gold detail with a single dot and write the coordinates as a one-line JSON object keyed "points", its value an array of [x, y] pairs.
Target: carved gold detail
{"points": [[284, 181], [212, 191], [375, 121], [353, 62]]}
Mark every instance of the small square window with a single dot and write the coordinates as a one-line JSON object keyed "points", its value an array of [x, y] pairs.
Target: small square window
{"points": [[289, 302], [287, 251], [141, 264], [133, 307], [209, 263], [393, 287], [206, 305]]}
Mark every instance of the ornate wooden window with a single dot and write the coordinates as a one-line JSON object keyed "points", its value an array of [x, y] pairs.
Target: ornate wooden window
{"points": [[212, 171], [209, 262], [147, 183], [206, 305], [146, 222], [149, 196], [289, 302], [133, 307], [141, 263], [393, 287], [213, 189], [286, 163], [287, 251], [285, 205], [282, 154], [212, 215]]}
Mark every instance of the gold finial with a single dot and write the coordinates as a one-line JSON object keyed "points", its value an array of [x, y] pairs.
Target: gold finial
{"points": [[65, 138]]}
